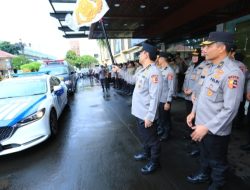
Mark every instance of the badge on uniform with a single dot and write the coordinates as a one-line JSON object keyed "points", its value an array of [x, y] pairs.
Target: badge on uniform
{"points": [[193, 77], [170, 76], [154, 78], [218, 73], [209, 92]]}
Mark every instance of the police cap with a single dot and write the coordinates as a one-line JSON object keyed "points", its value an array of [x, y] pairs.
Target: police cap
{"points": [[168, 56], [213, 37], [150, 49], [196, 52]]}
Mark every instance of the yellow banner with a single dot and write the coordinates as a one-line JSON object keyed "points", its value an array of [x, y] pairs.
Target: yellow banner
{"points": [[86, 12]]}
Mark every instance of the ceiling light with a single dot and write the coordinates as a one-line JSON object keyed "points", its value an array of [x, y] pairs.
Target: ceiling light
{"points": [[125, 24], [166, 7], [117, 5], [142, 6]]}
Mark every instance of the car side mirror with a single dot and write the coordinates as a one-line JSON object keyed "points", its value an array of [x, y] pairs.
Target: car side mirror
{"points": [[58, 90]]}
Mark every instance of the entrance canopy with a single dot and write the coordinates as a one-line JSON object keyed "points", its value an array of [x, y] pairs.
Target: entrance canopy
{"points": [[171, 20]]}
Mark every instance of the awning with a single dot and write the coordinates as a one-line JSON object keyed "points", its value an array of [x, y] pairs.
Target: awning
{"points": [[170, 20]]}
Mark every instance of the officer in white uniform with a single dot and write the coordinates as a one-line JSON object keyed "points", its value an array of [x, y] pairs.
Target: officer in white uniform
{"points": [[238, 59], [246, 147], [215, 109], [191, 76], [145, 101], [204, 67], [165, 124]]}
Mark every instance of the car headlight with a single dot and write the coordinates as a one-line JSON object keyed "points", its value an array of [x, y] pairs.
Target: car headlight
{"points": [[31, 118]]}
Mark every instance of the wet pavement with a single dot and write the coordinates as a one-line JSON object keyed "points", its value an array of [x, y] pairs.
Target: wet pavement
{"points": [[94, 149]]}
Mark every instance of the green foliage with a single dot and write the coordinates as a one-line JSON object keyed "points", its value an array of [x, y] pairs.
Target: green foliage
{"points": [[18, 61], [80, 61], [31, 67], [101, 43], [71, 57], [10, 48], [87, 60]]}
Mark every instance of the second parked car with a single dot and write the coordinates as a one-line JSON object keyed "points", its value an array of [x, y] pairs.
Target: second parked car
{"points": [[63, 71]]}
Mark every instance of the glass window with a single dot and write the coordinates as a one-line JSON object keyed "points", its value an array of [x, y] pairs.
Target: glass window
{"points": [[55, 70], [22, 87], [242, 36], [117, 46]]}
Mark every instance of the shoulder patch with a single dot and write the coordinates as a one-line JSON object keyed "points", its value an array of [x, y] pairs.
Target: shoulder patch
{"points": [[170, 76], [154, 78], [233, 81]]}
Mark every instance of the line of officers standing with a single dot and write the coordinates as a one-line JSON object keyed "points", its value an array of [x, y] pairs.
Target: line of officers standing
{"points": [[214, 86]]}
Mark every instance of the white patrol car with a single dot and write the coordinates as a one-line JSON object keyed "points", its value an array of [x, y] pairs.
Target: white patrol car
{"points": [[29, 110]]}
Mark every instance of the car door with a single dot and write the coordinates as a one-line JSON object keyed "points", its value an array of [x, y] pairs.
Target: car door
{"points": [[63, 98], [58, 100]]}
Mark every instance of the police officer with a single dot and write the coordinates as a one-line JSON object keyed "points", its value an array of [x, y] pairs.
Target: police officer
{"points": [[238, 58], [214, 110], [165, 125], [191, 77], [201, 75], [145, 101], [246, 147]]}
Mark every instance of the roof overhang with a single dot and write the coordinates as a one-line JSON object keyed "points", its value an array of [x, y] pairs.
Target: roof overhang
{"points": [[170, 20]]}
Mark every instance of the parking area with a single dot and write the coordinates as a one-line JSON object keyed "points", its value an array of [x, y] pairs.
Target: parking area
{"points": [[95, 146]]}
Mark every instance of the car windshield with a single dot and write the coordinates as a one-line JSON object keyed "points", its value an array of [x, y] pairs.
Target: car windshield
{"points": [[20, 88], [55, 70]]}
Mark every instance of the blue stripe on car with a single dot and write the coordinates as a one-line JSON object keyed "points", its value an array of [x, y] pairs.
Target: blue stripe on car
{"points": [[21, 115]]}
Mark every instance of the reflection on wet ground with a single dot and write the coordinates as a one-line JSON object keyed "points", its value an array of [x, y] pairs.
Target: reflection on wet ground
{"points": [[94, 149]]}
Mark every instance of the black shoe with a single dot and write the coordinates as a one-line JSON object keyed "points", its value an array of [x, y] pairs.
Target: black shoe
{"points": [[141, 156], [150, 168], [199, 178], [245, 147], [194, 153]]}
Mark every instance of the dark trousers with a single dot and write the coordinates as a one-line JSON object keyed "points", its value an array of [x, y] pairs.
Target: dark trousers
{"points": [[180, 79], [189, 106], [102, 83], [248, 122], [165, 123], [151, 143], [213, 157]]}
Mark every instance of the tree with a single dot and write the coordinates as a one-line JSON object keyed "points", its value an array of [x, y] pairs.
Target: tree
{"points": [[10, 48], [80, 61], [87, 60], [18, 61], [71, 57], [102, 43]]}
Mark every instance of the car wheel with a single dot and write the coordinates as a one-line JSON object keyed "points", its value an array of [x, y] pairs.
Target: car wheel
{"points": [[53, 123]]}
